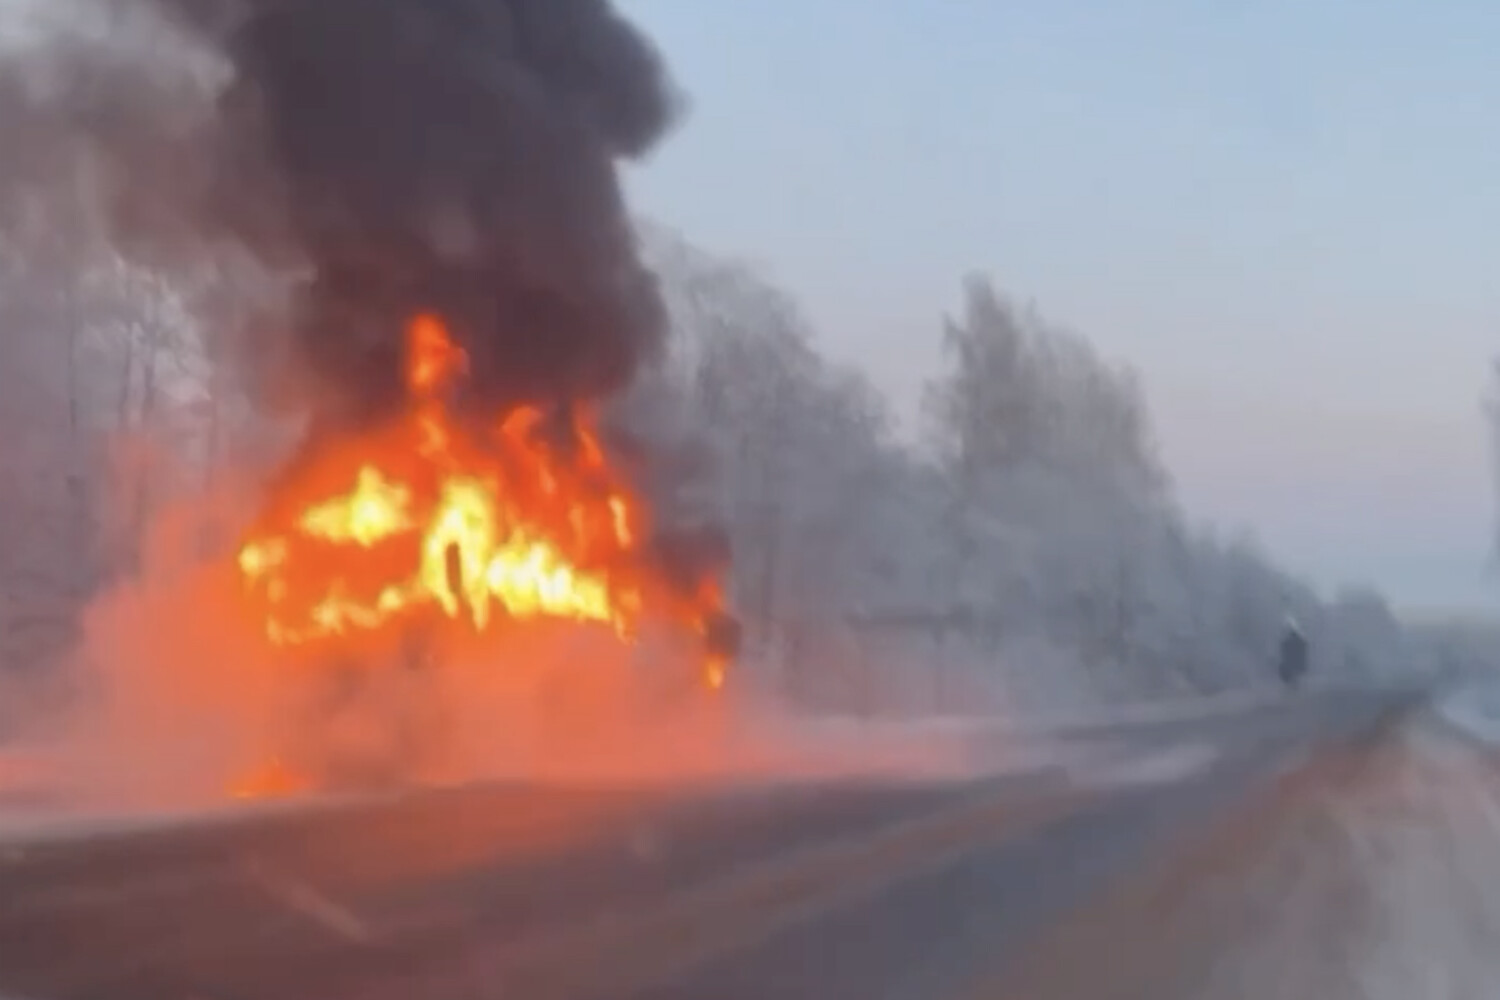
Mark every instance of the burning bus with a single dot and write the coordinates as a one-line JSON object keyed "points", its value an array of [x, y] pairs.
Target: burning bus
{"points": [[438, 182], [438, 179], [380, 548]]}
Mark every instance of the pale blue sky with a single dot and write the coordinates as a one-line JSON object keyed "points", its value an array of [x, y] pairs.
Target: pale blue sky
{"points": [[1284, 213]]}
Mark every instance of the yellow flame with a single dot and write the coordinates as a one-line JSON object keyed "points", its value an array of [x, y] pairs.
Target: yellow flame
{"points": [[374, 511], [495, 521], [259, 558], [470, 562], [713, 673]]}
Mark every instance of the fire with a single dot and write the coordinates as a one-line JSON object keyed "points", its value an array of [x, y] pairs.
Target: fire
{"points": [[274, 779], [431, 518]]}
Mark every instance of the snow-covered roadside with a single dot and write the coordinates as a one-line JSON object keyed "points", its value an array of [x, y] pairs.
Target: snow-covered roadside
{"points": [[817, 750], [78, 822], [1475, 709], [1386, 887], [1370, 872], [1039, 724], [1148, 712]]}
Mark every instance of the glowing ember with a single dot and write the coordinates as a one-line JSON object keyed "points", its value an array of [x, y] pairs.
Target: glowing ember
{"points": [[430, 517]]}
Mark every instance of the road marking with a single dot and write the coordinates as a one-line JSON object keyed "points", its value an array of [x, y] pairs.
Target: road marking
{"points": [[1157, 766], [302, 898], [631, 950]]}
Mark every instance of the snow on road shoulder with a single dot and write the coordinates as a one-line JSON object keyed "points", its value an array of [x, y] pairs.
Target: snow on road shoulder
{"points": [[69, 823], [1475, 709], [1116, 768], [1387, 888], [1161, 710]]}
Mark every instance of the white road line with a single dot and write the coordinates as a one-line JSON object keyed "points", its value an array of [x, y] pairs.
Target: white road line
{"points": [[304, 899], [1157, 766]]}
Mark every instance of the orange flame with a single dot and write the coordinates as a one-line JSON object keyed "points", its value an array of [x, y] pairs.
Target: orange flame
{"points": [[273, 780], [425, 517]]}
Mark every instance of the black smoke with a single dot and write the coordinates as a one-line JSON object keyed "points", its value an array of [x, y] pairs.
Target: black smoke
{"points": [[455, 156]]}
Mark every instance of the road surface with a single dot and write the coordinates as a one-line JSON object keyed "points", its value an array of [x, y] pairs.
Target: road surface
{"points": [[820, 890]]}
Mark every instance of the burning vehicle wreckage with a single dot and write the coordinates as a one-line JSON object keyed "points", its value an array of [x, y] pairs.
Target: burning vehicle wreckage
{"points": [[444, 173], [395, 546]]}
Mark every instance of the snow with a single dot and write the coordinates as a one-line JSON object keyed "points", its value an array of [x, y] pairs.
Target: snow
{"points": [[1475, 709], [1377, 884], [71, 822], [1153, 711], [1410, 894], [1163, 766]]}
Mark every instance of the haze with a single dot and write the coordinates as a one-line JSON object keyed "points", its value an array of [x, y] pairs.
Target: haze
{"points": [[1283, 214]]}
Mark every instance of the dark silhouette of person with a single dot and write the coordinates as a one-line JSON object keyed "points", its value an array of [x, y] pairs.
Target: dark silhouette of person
{"points": [[1292, 664]]}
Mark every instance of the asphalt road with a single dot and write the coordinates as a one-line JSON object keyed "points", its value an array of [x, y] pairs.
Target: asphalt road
{"points": [[785, 891]]}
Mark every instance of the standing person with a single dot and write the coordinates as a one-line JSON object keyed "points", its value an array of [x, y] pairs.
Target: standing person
{"points": [[1292, 664]]}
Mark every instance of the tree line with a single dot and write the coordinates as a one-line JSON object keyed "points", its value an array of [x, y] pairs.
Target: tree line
{"points": [[1027, 548]]}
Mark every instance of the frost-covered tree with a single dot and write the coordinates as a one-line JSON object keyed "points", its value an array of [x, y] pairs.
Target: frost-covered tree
{"points": [[1056, 494], [1033, 541], [798, 446]]}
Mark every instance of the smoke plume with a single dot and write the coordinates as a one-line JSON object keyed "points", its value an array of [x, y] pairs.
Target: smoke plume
{"points": [[455, 156]]}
